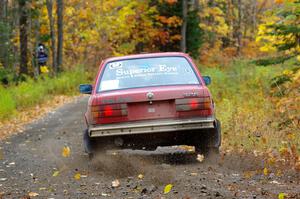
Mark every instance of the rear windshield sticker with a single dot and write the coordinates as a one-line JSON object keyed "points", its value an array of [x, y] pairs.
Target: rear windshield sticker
{"points": [[115, 65], [144, 71], [109, 84]]}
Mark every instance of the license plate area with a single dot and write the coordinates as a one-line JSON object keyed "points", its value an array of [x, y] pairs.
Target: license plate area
{"points": [[155, 110]]}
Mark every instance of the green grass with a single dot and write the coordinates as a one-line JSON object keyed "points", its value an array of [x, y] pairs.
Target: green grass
{"points": [[243, 104], [34, 92]]}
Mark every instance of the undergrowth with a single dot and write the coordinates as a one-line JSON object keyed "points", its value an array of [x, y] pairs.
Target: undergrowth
{"points": [[33, 92], [244, 104]]}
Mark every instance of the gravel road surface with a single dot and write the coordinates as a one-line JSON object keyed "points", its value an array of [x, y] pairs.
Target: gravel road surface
{"points": [[32, 166]]}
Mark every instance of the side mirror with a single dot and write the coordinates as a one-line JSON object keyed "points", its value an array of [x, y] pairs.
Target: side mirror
{"points": [[207, 80], [85, 88]]}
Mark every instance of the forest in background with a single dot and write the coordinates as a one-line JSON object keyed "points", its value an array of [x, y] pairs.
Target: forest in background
{"points": [[211, 31], [249, 47]]}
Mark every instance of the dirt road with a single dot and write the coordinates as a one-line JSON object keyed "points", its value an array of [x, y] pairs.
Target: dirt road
{"points": [[32, 165]]}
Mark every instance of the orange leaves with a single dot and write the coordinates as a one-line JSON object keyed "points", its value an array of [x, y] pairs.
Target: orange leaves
{"points": [[173, 21], [44, 30], [171, 2], [279, 1], [66, 151]]}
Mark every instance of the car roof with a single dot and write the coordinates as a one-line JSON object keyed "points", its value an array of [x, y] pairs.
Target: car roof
{"points": [[146, 55]]}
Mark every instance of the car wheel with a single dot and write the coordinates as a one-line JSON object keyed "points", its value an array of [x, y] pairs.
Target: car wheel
{"points": [[210, 141], [89, 144]]}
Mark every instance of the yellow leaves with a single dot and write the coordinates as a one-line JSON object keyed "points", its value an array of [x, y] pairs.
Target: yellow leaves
{"points": [[140, 176], [55, 173], [82, 14], [264, 140], [287, 72], [70, 11], [282, 195], [66, 151], [265, 171], [213, 20], [77, 176], [283, 150], [168, 188], [248, 174], [267, 48], [44, 29], [291, 136], [44, 69]]}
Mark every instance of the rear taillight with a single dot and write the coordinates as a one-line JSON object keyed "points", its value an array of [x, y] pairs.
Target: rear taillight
{"points": [[188, 104], [194, 106], [108, 111]]}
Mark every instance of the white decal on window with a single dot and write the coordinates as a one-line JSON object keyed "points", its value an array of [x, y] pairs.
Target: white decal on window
{"points": [[109, 84]]}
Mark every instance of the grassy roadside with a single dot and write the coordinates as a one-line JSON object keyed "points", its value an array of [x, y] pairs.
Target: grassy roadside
{"points": [[35, 92], [251, 118]]}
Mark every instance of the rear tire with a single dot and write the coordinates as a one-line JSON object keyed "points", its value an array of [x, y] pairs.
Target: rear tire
{"points": [[209, 142], [89, 144], [94, 146]]}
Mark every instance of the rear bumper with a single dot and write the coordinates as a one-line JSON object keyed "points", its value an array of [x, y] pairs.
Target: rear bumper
{"points": [[153, 126]]}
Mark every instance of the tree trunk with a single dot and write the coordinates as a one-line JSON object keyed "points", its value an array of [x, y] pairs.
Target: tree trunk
{"points": [[254, 12], [3, 11], [239, 28], [183, 27], [60, 6], [23, 37], [4, 34], [52, 35]]}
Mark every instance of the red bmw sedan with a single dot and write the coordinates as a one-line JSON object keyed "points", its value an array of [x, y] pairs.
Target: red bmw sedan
{"points": [[149, 100]]}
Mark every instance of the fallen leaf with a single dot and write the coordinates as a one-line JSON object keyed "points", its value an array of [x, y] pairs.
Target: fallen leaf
{"points": [[56, 173], [266, 171], [32, 194], [1, 154], [168, 188], [194, 174], [248, 174], [278, 173], [105, 194], [281, 195], [77, 176], [66, 151], [115, 183], [12, 163], [200, 157], [141, 176]]}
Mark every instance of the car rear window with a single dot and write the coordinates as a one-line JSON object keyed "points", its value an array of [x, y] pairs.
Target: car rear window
{"points": [[144, 72]]}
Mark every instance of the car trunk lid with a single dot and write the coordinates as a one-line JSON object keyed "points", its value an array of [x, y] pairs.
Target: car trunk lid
{"points": [[146, 103]]}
